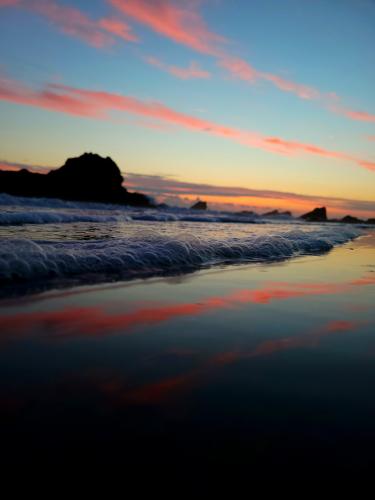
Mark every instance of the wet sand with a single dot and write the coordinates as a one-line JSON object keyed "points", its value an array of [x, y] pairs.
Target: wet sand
{"points": [[265, 366]]}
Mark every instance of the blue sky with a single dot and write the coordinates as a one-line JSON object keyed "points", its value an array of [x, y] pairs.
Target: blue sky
{"points": [[299, 71]]}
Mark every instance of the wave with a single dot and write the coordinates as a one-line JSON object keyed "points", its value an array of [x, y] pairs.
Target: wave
{"points": [[21, 211], [17, 218], [150, 253], [35, 217], [22, 201]]}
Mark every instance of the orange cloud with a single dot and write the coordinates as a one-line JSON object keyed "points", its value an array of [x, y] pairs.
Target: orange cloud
{"points": [[6, 166], [192, 71], [369, 165], [99, 104]]}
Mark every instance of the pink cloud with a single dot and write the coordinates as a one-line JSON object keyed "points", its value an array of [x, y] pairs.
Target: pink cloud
{"points": [[184, 25], [8, 3], [302, 91], [369, 165], [242, 70], [357, 115], [192, 71], [239, 68], [73, 22], [118, 28], [99, 105], [179, 22]]}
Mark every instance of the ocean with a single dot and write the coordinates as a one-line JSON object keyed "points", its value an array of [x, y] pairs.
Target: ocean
{"points": [[49, 242]]}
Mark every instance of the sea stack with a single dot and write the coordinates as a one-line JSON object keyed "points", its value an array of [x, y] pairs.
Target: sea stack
{"points": [[199, 205], [349, 219], [276, 213], [88, 177], [316, 215]]}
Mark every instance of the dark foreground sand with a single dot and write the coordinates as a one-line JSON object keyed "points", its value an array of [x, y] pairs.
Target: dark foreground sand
{"points": [[268, 367]]}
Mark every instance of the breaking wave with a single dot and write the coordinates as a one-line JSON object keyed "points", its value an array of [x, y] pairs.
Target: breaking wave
{"points": [[37, 217], [54, 211], [8, 218], [153, 253]]}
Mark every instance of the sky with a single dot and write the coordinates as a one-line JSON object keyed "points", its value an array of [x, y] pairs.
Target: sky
{"points": [[249, 105]]}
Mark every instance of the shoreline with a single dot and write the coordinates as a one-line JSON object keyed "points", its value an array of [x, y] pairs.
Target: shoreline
{"points": [[367, 238], [257, 364], [160, 256]]}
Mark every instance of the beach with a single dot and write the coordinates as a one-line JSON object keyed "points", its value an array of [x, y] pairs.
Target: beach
{"points": [[187, 241], [259, 364]]}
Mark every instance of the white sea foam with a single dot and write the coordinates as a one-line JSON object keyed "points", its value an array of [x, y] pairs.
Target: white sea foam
{"points": [[8, 218], [22, 201], [54, 211], [15, 218], [151, 253]]}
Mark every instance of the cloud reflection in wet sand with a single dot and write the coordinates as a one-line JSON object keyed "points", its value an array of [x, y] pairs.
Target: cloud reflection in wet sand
{"points": [[158, 392], [96, 321], [119, 392]]}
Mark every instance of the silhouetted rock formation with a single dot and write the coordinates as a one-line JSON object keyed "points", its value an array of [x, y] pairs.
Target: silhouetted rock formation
{"points": [[276, 213], [247, 213], [370, 221], [200, 205], [348, 219], [86, 178], [316, 215]]}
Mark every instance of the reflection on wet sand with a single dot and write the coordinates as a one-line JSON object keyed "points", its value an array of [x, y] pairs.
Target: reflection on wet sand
{"points": [[96, 321], [157, 392], [121, 393]]}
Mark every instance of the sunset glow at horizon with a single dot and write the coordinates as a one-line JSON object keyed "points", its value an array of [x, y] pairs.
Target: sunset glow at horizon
{"points": [[247, 105]]}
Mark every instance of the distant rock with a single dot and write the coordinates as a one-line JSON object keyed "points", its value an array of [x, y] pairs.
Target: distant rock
{"points": [[88, 177], [316, 215], [370, 221], [162, 205], [276, 213], [348, 219], [247, 213], [199, 205]]}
